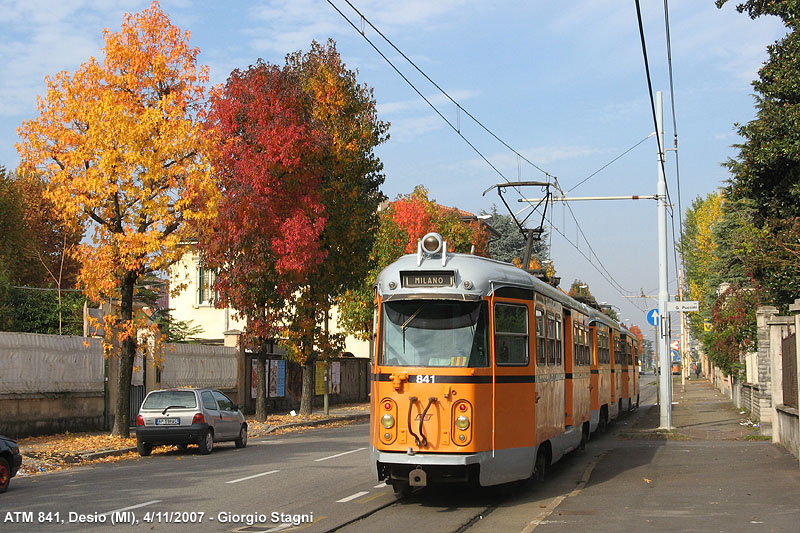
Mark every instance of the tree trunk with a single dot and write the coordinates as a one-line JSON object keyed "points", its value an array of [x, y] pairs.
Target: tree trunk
{"points": [[307, 395], [261, 389], [127, 352]]}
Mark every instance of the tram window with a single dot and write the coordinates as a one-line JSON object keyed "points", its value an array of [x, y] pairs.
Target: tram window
{"points": [[551, 339], [541, 341], [575, 344], [559, 344], [511, 334], [434, 333]]}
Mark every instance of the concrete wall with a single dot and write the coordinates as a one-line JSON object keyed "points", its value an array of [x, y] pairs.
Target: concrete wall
{"points": [[45, 414], [50, 384]]}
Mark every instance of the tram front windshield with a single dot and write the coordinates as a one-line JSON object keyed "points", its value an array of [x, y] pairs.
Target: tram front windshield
{"points": [[435, 333]]}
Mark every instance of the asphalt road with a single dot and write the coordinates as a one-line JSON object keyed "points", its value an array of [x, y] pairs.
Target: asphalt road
{"points": [[322, 474], [321, 480]]}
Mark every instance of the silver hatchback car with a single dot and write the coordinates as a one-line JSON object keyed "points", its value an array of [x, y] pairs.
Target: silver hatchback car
{"points": [[188, 416]]}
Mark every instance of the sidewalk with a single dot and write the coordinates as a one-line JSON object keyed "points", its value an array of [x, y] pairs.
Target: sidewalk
{"points": [[50, 453], [711, 472]]}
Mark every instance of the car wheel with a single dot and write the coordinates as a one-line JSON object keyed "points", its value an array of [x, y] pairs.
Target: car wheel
{"points": [[241, 442], [206, 442], [144, 448], [5, 475]]}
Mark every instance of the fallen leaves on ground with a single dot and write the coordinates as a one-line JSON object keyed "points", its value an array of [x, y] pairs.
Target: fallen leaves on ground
{"points": [[52, 453]]}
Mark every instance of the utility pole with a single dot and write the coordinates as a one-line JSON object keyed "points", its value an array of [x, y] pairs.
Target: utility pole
{"points": [[665, 379]]}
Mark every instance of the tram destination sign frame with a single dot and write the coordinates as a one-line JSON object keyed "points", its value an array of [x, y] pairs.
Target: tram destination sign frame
{"points": [[428, 278]]}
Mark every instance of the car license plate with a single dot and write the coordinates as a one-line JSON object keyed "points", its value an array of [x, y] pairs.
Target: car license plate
{"points": [[168, 421]]}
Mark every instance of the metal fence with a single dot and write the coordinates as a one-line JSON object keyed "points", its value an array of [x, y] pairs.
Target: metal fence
{"points": [[789, 354]]}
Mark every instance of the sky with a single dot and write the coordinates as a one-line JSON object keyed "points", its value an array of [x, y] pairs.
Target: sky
{"points": [[562, 83]]}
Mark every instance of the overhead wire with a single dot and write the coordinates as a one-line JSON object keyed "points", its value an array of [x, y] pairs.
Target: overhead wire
{"points": [[457, 129], [419, 93], [458, 106], [593, 174], [675, 137]]}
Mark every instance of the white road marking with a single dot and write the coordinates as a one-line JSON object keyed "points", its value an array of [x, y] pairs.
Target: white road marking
{"points": [[339, 455], [253, 476], [380, 486], [131, 507], [281, 527], [352, 497]]}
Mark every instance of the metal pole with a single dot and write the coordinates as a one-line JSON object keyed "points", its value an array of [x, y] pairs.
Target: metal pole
{"points": [[684, 360], [665, 381]]}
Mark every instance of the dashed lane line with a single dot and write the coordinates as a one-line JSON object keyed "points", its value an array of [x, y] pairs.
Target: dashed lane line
{"points": [[151, 502], [352, 497], [338, 455], [253, 476]]}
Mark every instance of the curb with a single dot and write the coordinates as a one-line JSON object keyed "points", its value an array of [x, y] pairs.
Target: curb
{"points": [[311, 423], [323, 421]]}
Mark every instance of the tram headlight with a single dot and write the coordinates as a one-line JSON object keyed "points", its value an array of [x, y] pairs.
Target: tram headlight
{"points": [[462, 422], [432, 243], [387, 421]]}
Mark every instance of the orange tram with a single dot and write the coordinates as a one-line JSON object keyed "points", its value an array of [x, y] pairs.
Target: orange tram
{"points": [[484, 374]]}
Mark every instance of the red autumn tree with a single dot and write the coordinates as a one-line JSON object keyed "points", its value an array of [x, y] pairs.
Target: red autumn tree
{"points": [[636, 331], [265, 239], [346, 112]]}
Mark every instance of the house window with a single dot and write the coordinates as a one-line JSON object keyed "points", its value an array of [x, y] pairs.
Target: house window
{"points": [[205, 286]]}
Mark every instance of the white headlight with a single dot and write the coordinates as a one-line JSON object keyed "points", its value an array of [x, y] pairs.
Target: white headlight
{"points": [[387, 421], [462, 422]]}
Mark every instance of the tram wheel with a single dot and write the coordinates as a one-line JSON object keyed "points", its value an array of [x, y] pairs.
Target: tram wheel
{"points": [[603, 424], [540, 468]]}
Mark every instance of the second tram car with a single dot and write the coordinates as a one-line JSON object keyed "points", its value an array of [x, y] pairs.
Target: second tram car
{"points": [[484, 374]]}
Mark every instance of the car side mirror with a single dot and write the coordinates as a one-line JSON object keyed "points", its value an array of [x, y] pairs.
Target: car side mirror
{"points": [[235, 407]]}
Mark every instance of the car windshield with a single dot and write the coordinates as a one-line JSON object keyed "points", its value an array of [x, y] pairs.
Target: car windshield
{"points": [[437, 333], [170, 398]]}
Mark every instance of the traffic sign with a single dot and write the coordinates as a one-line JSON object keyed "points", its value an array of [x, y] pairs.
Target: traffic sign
{"points": [[684, 306], [675, 345], [652, 317], [707, 326], [676, 357]]}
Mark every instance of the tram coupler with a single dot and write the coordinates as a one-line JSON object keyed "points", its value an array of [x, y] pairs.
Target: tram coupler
{"points": [[417, 478]]}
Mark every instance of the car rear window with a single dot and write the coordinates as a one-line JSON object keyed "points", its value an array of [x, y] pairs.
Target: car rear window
{"points": [[170, 398]]}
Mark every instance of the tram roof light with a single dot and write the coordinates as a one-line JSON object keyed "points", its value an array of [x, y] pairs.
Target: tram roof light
{"points": [[432, 243]]}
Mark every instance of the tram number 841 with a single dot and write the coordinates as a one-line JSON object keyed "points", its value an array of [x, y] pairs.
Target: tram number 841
{"points": [[426, 378]]}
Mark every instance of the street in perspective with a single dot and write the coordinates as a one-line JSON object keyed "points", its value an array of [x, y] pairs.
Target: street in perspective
{"points": [[398, 266]]}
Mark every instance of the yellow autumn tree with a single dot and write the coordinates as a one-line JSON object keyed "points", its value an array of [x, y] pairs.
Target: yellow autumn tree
{"points": [[699, 249], [122, 148]]}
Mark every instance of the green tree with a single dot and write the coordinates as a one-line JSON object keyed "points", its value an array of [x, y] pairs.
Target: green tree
{"points": [[11, 224], [511, 245], [766, 171]]}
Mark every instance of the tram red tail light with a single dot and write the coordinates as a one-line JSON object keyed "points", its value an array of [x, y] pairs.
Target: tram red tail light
{"points": [[462, 423], [387, 428]]}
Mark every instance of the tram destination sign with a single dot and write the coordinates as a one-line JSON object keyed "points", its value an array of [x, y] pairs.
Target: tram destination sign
{"points": [[429, 278]]}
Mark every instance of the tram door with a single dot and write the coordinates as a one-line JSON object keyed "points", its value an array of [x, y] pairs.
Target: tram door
{"points": [[513, 378]]}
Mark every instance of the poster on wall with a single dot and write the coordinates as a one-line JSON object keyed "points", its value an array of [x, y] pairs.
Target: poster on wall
{"points": [[253, 378], [336, 383], [319, 374], [277, 378]]}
